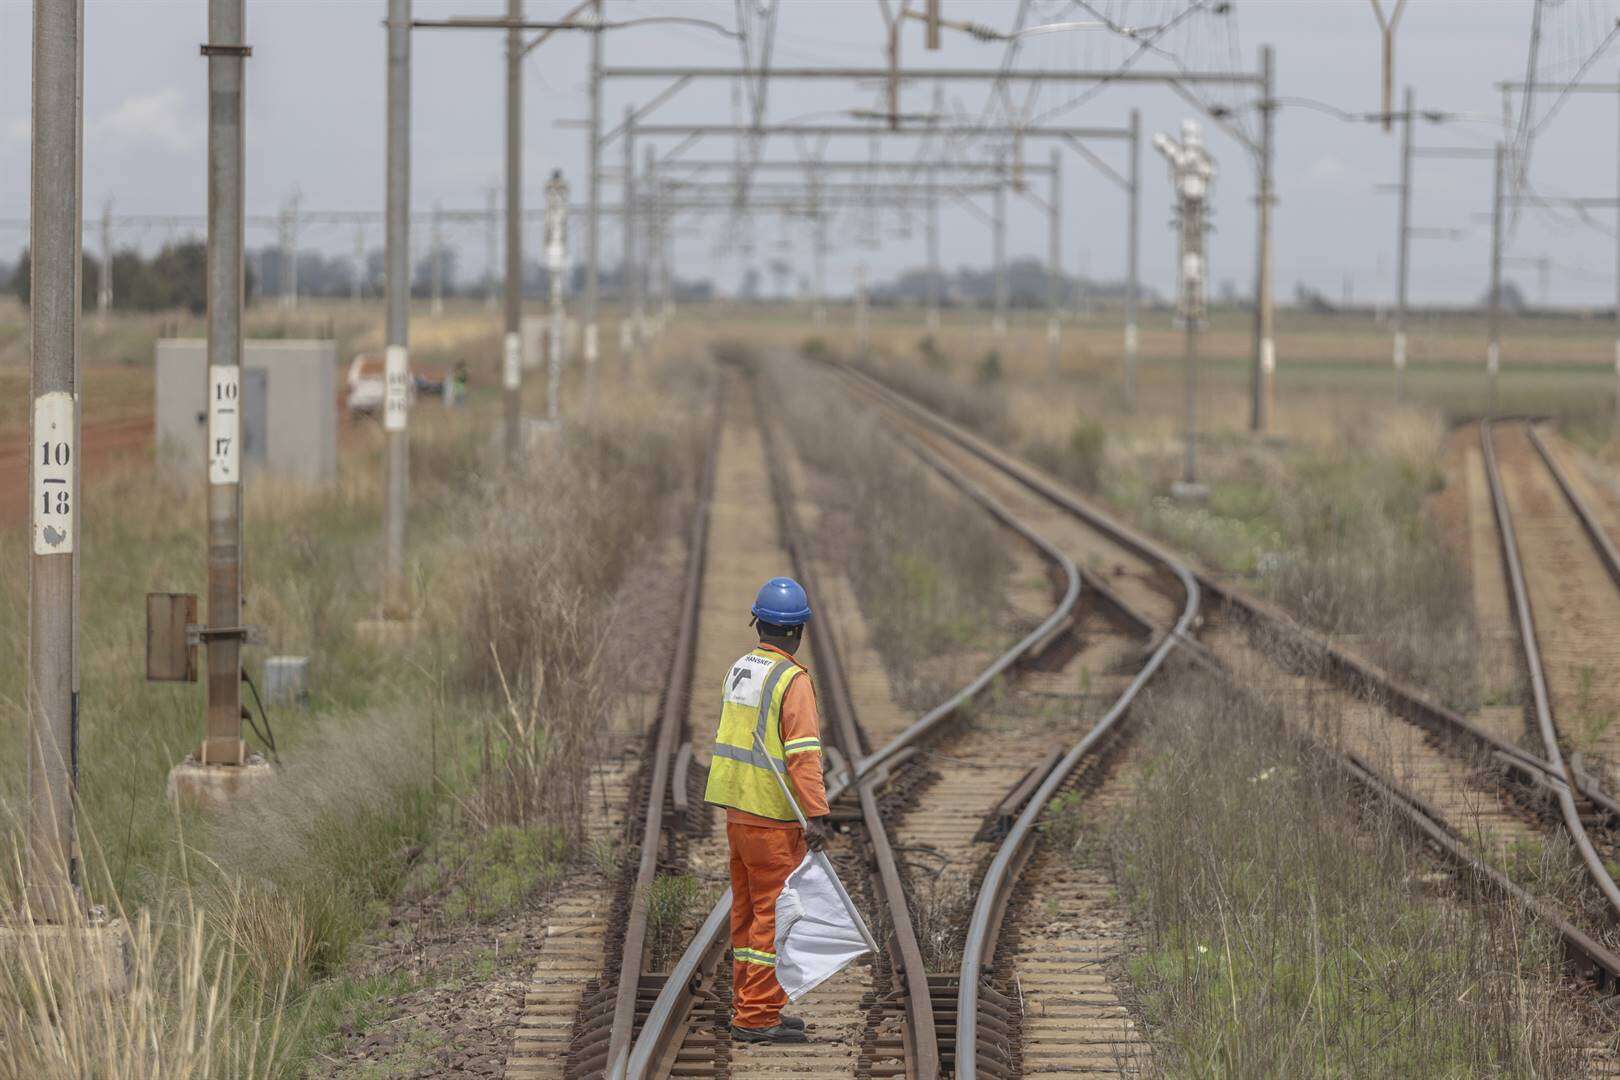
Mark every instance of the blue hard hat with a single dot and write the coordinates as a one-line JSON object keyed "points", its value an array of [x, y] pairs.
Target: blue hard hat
{"points": [[781, 602]]}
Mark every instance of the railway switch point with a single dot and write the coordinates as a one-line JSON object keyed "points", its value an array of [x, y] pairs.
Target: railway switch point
{"points": [[214, 787], [91, 954]]}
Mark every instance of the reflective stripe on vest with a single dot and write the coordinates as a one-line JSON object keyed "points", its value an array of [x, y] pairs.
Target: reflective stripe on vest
{"points": [[740, 775]]}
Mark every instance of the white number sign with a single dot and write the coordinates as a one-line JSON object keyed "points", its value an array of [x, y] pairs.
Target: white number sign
{"points": [[397, 388], [512, 363], [224, 424], [54, 497]]}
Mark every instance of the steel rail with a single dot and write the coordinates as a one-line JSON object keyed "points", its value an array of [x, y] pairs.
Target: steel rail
{"points": [[671, 722], [1538, 681], [1599, 537], [1357, 674], [679, 989], [920, 1032], [995, 887], [1593, 959]]}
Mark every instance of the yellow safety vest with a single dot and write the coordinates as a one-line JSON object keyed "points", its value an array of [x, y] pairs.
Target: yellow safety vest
{"points": [[739, 775]]}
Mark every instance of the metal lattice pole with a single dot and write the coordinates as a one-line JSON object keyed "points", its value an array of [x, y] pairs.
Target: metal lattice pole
{"points": [[998, 228], [1403, 245], [1263, 405], [50, 869], [628, 222], [593, 228], [1493, 347], [1133, 240], [1054, 272]]}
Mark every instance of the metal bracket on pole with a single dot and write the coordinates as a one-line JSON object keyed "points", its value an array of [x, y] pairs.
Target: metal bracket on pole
{"points": [[243, 51], [199, 634]]}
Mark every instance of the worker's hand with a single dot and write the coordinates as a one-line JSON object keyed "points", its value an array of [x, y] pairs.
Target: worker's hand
{"points": [[818, 833]]}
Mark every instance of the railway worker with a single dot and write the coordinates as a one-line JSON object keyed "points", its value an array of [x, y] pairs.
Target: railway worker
{"points": [[767, 694]]}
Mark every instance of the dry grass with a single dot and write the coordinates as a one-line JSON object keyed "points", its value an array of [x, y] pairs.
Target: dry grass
{"points": [[538, 615], [926, 564], [1285, 935]]}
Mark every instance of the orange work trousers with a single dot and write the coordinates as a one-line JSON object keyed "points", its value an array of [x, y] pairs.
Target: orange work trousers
{"points": [[761, 860]]}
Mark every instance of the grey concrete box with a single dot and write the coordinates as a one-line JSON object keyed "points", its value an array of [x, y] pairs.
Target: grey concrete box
{"points": [[286, 678], [289, 408]]}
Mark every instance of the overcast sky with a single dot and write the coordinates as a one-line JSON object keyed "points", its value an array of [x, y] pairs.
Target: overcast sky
{"points": [[315, 125]]}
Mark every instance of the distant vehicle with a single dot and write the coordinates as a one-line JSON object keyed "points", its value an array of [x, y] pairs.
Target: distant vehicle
{"points": [[366, 385]]}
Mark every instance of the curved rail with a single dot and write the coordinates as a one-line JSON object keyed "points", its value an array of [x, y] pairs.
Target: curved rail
{"points": [[998, 880], [675, 997], [1538, 680], [920, 1032], [1589, 957], [671, 721]]}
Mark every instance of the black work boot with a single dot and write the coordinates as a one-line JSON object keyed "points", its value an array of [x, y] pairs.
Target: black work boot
{"points": [[780, 1033], [794, 1022]]}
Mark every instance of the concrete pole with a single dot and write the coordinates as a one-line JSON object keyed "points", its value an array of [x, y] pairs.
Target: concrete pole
{"points": [[222, 744], [1265, 352], [1133, 238], [556, 267], [492, 250], [1054, 263], [1403, 245], [593, 228], [998, 321], [397, 261], [438, 260], [643, 276], [863, 333], [933, 249], [357, 287], [1189, 470], [627, 219], [512, 351], [52, 693], [818, 310], [1493, 347], [104, 283], [1617, 291]]}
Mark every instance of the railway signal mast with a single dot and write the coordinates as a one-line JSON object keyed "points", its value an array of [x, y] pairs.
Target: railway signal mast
{"points": [[1192, 172]]}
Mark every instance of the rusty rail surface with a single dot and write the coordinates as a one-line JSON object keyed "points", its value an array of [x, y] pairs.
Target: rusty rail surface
{"points": [[671, 726], [1586, 955], [1546, 724], [660, 1035]]}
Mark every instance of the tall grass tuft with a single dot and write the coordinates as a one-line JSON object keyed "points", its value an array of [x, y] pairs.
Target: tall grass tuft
{"points": [[1285, 934], [538, 617], [926, 564]]}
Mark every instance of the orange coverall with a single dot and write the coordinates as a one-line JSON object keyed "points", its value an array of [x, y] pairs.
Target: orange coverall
{"points": [[763, 853]]}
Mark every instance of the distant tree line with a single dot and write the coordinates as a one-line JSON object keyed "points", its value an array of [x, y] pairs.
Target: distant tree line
{"points": [[173, 278], [1027, 281]]}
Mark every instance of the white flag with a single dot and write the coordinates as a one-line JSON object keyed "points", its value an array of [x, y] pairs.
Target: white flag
{"points": [[818, 931]]}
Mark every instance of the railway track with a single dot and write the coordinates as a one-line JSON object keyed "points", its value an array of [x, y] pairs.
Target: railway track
{"points": [[1465, 792], [903, 1015], [1555, 542], [1029, 1000]]}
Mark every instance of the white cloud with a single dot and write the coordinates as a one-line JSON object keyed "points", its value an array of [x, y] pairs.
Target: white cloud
{"points": [[158, 118]]}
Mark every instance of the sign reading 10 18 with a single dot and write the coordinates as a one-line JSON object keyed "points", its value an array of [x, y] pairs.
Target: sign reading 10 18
{"points": [[54, 498]]}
